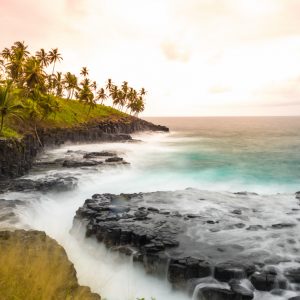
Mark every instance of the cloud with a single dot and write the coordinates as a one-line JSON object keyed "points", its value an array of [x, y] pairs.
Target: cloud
{"points": [[219, 89], [173, 51]]}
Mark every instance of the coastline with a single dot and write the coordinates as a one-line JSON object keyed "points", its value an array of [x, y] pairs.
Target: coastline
{"points": [[18, 155]]}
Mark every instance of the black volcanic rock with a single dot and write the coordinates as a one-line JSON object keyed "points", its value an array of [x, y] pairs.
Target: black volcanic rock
{"points": [[162, 242], [83, 163], [231, 270], [43, 185], [214, 293], [114, 159], [266, 281], [98, 154]]}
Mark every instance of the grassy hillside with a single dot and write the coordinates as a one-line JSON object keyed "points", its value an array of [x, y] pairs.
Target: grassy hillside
{"points": [[71, 113]]}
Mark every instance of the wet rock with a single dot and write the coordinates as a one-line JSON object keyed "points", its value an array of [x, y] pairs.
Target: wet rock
{"points": [[245, 193], [237, 212], [90, 155], [114, 159], [283, 225], [43, 185], [153, 209], [265, 281], [293, 275], [231, 270], [193, 282], [239, 225], [158, 235], [297, 194], [295, 298], [155, 263], [214, 293], [254, 227], [78, 164], [241, 290], [180, 270]]}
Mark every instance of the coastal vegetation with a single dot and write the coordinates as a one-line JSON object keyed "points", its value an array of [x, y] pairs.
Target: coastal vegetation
{"points": [[34, 94]]}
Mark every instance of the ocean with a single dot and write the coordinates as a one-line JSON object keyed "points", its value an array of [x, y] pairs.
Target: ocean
{"points": [[258, 154], [214, 157]]}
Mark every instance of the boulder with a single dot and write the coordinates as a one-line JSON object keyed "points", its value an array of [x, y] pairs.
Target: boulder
{"points": [[293, 275], [266, 281], [90, 155], [114, 159], [215, 293], [51, 183], [242, 290], [232, 270], [78, 164]]}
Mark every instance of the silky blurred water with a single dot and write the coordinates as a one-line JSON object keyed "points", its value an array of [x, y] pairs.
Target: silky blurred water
{"points": [[259, 154]]}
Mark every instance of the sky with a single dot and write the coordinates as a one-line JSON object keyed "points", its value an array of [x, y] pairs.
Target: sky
{"points": [[194, 57]]}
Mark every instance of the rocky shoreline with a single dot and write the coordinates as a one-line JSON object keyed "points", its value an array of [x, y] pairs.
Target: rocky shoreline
{"points": [[161, 240], [17, 155], [35, 266]]}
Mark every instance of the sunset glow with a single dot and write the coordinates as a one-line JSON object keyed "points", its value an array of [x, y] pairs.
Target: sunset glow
{"points": [[195, 57]]}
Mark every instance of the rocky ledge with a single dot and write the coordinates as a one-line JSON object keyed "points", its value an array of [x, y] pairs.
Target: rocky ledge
{"points": [[17, 155], [186, 246], [34, 266]]}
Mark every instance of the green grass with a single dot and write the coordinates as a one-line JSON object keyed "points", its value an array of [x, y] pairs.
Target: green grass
{"points": [[73, 113], [8, 132]]}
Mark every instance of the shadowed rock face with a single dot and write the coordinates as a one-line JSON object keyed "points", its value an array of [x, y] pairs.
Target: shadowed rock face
{"points": [[171, 243], [34, 266], [18, 155]]}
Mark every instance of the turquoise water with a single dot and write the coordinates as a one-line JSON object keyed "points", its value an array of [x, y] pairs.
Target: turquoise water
{"points": [[236, 153]]}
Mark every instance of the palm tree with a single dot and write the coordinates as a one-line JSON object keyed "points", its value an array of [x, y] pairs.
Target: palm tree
{"points": [[114, 94], [42, 55], [109, 85], [34, 73], [143, 92], [70, 82], [132, 96], [20, 46], [6, 53], [16, 58], [86, 95], [7, 106], [54, 56], [84, 72], [57, 83], [101, 95]]}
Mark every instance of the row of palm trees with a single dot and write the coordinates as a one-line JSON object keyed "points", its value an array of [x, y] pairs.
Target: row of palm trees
{"points": [[26, 73]]}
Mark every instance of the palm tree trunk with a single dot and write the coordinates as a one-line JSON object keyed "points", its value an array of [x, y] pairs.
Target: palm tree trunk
{"points": [[37, 135], [53, 68]]}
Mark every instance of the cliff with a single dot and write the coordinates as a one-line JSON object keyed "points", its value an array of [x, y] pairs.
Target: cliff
{"points": [[34, 266], [17, 155]]}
